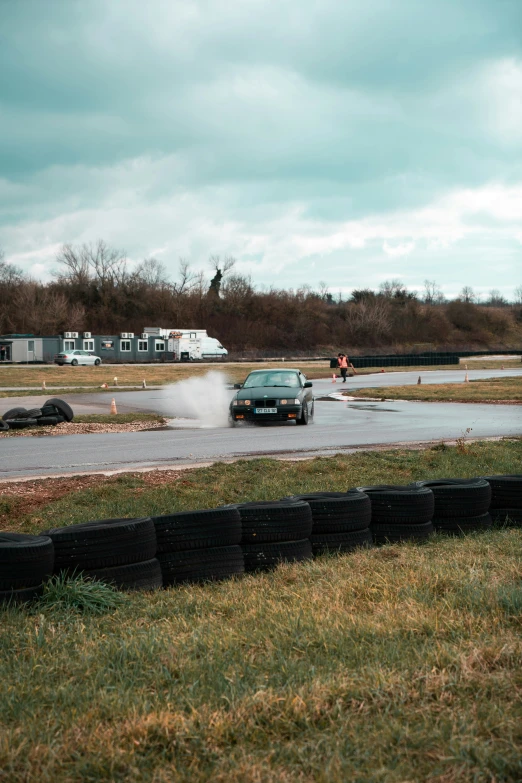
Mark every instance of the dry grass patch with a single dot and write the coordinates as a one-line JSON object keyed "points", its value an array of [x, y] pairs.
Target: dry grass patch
{"points": [[494, 390]]}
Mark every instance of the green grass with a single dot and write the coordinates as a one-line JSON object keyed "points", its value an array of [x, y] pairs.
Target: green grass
{"points": [[491, 390], [402, 663]]}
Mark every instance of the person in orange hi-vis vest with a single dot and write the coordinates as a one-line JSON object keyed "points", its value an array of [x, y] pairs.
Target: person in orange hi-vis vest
{"points": [[342, 361]]}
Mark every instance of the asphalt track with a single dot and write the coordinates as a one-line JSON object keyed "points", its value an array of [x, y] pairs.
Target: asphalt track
{"points": [[340, 426]]}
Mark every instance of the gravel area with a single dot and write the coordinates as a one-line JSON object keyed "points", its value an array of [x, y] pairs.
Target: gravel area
{"points": [[73, 428]]}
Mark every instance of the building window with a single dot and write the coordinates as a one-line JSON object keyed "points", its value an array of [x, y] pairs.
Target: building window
{"points": [[193, 335], [88, 345], [143, 345], [159, 345], [125, 345], [107, 345], [68, 345]]}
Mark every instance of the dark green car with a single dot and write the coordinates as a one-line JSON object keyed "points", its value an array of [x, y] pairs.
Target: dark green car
{"points": [[273, 395]]}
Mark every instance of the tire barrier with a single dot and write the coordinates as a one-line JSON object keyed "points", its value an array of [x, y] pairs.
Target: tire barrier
{"points": [[326, 543], [264, 557], [274, 520], [341, 520], [215, 527], [103, 544], [26, 562], [461, 505], [201, 565], [215, 544], [400, 513], [53, 412], [506, 499]]}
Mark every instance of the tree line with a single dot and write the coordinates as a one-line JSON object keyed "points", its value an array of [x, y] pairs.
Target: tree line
{"points": [[94, 288]]}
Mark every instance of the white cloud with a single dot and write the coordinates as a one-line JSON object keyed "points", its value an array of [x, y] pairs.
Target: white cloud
{"points": [[401, 249]]}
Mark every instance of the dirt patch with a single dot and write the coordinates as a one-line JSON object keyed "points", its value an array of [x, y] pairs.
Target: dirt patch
{"points": [[77, 428], [28, 496]]}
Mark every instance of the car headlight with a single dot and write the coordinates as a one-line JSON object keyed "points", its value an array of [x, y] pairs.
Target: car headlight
{"points": [[248, 402], [235, 402], [283, 402], [296, 402]]}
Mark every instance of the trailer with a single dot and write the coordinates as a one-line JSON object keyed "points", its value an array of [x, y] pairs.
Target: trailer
{"points": [[188, 345]]}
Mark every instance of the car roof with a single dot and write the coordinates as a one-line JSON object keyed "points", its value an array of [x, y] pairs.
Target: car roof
{"points": [[276, 369]]}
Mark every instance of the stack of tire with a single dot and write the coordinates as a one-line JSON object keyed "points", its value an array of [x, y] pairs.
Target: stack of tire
{"points": [[506, 499], [26, 562], [120, 552], [461, 505], [341, 520], [199, 546], [275, 531], [400, 513], [53, 412]]}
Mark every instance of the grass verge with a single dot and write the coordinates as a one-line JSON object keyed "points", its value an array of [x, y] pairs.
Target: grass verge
{"points": [[396, 664], [495, 390]]}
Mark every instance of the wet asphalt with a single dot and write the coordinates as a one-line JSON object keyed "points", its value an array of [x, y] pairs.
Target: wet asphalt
{"points": [[339, 426]]}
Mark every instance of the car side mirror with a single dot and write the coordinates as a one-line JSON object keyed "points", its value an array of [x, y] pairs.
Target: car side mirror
{"points": [[238, 386], [308, 384]]}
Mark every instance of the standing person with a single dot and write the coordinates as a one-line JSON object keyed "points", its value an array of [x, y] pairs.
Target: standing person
{"points": [[342, 361]]}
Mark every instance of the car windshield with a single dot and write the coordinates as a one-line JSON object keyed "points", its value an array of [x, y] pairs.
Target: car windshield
{"points": [[273, 378]]}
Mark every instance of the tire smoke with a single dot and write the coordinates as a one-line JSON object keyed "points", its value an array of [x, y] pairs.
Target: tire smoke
{"points": [[205, 400]]}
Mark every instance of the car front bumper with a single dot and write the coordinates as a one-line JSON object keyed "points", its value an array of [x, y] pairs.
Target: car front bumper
{"points": [[284, 413]]}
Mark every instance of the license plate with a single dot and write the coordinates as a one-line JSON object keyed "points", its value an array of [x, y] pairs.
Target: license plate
{"points": [[265, 410]]}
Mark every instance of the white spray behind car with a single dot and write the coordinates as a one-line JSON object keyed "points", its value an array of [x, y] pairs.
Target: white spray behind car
{"points": [[203, 401]]}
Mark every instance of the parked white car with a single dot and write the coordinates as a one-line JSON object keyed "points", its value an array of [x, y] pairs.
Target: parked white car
{"points": [[76, 357]]}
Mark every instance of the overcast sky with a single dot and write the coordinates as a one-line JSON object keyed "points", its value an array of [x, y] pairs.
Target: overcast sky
{"points": [[344, 141]]}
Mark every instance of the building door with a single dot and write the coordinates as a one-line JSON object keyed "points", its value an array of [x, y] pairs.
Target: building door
{"points": [[5, 352], [30, 351]]}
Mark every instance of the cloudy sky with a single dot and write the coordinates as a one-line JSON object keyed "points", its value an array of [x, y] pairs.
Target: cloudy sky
{"points": [[344, 141]]}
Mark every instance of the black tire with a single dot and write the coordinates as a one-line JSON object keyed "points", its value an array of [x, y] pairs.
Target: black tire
{"points": [[459, 497], [409, 504], [32, 413], [458, 526], [22, 596], [51, 421], [506, 491], [385, 533], [134, 576], [303, 419], [50, 410], [97, 362], [337, 512], [263, 557], [12, 413], [4, 426], [340, 542], [201, 565], [74, 363], [263, 522], [103, 543], [63, 408], [22, 424], [511, 517], [25, 561], [198, 529]]}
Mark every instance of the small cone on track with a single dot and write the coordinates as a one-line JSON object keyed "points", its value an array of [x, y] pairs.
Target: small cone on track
{"points": [[419, 381], [466, 379], [113, 406], [382, 370], [333, 378], [104, 386]]}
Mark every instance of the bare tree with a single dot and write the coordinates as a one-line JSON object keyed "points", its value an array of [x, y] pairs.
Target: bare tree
{"points": [[187, 278], [152, 272], [9, 273], [517, 295], [433, 293], [99, 263], [496, 299], [221, 268], [467, 295]]}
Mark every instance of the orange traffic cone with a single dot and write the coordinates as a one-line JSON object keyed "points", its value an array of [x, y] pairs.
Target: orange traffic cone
{"points": [[113, 406], [104, 386], [334, 376], [382, 370]]}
